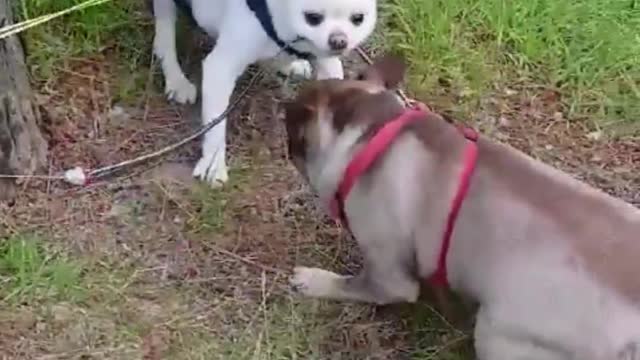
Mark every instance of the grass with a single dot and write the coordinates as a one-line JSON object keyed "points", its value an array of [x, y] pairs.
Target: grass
{"points": [[30, 273], [210, 203], [461, 53], [285, 329], [588, 49], [70, 308], [434, 337], [50, 298], [119, 29]]}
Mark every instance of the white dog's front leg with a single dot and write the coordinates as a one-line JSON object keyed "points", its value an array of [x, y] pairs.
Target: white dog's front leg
{"points": [[177, 86], [220, 70], [329, 68]]}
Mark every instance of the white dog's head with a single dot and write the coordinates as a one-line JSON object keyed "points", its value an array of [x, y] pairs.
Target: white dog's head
{"points": [[333, 26]]}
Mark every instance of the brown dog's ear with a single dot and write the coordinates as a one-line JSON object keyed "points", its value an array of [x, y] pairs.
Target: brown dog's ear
{"points": [[387, 70]]}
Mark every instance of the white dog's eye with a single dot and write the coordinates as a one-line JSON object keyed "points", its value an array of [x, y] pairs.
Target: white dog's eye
{"points": [[313, 18], [357, 19]]}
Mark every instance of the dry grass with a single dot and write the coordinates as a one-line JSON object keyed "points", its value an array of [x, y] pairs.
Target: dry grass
{"points": [[170, 268], [154, 266]]}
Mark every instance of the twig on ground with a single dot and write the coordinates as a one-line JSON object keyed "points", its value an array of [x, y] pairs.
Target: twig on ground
{"points": [[246, 261], [448, 345], [78, 176]]}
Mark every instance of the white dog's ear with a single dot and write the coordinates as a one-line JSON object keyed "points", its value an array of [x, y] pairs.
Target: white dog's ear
{"points": [[387, 70]]}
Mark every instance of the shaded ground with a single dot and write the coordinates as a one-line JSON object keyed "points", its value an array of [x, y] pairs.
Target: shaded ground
{"points": [[167, 269]]}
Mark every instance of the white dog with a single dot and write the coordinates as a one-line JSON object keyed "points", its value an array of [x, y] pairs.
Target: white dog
{"points": [[301, 35]]}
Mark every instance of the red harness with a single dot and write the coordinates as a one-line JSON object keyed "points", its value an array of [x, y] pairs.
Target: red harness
{"points": [[379, 143]]}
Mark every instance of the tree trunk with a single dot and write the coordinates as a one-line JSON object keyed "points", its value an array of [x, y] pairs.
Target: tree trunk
{"points": [[23, 149]]}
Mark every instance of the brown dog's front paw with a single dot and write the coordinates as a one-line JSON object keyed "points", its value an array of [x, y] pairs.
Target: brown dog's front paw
{"points": [[314, 282]]}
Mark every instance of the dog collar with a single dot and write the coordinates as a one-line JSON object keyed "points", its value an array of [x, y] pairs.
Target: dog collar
{"points": [[379, 143], [263, 14]]}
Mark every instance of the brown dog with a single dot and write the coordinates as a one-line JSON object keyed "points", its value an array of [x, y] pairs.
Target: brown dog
{"points": [[553, 263]]}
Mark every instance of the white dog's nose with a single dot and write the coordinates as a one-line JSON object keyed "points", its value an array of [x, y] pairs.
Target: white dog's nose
{"points": [[338, 41]]}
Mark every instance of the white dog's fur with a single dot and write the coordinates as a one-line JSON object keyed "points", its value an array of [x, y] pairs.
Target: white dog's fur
{"points": [[241, 41]]}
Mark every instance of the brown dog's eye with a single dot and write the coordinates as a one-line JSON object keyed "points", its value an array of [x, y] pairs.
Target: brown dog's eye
{"points": [[357, 19], [313, 18]]}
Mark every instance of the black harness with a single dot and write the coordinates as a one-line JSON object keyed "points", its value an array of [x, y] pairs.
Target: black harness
{"points": [[261, 11], [263, 14]]}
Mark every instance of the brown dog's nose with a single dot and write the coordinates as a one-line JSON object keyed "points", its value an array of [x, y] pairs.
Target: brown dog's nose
{"points": [[338, 41]]}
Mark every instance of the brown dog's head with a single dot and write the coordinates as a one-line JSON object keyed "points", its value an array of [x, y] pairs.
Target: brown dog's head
{"points": [[324, 109]]}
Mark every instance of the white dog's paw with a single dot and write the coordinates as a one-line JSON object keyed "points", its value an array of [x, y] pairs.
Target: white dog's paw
{"points": [[297, 68], [314, 282], [180, 89], [329, 68], [212, 169], [212, 166]]}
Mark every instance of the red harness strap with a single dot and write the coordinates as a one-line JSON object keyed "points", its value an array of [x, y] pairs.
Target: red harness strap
{"points": [[379, 143], [439, 278]]}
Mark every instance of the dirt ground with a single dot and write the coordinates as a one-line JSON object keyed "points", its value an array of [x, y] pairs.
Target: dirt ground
{"points": [[174, 270]]}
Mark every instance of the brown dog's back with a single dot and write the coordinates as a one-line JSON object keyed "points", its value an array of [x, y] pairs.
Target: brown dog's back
{"points": [[605, 231]]}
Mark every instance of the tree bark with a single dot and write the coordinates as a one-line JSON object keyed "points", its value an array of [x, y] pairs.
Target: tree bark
{"points": [[23, 149]]}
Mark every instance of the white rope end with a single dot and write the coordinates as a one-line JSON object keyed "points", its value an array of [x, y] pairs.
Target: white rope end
{"points": [[75, 176]]}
